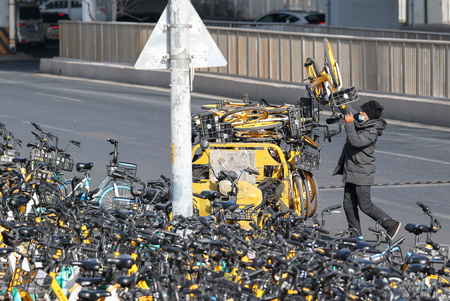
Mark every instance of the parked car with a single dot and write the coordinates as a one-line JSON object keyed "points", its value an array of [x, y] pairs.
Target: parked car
{"points": [[293, 16], [51, 25], [71, 7], [29, 25]]}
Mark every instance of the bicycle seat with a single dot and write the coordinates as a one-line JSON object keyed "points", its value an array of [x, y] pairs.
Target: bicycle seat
{"points": [[342, 254], [225, 205], [123, 261], [164, 207], [20, 160], [155, 195], [210, 195], [84, 166], [12, 225], [85, 281], [126, 281], [93, 295], [27, 231], [417, 259], [18, 200], [5, 251], [61, 240], [417, 228], [383, 272], [416, 267], [88, 265]]}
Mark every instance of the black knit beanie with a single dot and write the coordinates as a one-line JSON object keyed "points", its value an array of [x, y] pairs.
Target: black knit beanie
{"points": [[373, 109]]}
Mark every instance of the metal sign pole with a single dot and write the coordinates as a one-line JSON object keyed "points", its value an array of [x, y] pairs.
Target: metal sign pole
{"points": [[180, 100], [180, 42]]}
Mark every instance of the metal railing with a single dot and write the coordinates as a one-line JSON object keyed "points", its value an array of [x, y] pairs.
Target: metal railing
{"points": [[334, 30], [404, 66]]}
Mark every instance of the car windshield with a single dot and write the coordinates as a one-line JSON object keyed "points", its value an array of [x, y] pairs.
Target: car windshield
{"points": [[27, 13]]}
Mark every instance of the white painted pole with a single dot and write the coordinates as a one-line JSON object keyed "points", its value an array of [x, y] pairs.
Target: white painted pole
{"points": [[12, 25], [180, 99]]}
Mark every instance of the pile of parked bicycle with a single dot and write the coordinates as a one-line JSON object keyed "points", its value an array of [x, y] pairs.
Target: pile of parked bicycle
{"points": [[62, 240]]}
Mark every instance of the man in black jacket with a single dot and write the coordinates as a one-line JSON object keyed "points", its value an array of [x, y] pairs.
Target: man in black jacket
{"points": [[357, 166]]}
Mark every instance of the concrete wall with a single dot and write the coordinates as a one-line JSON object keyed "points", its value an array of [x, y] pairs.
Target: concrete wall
{"points": [[4, 13], [363, 13], [398, 107]]}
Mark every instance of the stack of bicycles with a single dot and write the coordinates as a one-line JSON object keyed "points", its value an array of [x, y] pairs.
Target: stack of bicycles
{"points": [[87, 253], [58, 246], [279, 142]]}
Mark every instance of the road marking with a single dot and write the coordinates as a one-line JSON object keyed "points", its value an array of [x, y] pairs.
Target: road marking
{"points": [[59, 97], [51, 127], [413, 157], [394, 185]]}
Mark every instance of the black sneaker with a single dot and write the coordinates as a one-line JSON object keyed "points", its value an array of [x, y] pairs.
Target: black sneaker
{"points": [[394, 230]]}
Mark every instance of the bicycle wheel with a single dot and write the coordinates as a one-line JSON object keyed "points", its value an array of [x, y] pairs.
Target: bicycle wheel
{"points": [[225, 105], [297, 197], [256, 125], [244, 115], [108, 194], [311, 192], [264, 136], [333, 66]]}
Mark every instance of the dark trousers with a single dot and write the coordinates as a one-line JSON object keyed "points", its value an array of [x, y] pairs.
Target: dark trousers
{"points": [[359, 196]]}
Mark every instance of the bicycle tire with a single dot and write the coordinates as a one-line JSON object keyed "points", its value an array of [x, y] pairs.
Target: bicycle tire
{"points": [[297, 197], [200, 173], [240, 115], [265, 124], [333, 64], [258, 137], [107, 194], [227, 106], [312, 192]]}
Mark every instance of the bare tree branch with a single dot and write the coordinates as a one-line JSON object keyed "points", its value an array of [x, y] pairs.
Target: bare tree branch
{"points": [[125, 8], [88, 3]]}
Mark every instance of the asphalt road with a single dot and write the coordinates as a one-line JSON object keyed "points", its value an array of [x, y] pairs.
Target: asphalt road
{"points": [[412, 166]]}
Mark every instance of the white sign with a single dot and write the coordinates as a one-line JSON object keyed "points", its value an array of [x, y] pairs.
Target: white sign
{"points": [[203, 50]]}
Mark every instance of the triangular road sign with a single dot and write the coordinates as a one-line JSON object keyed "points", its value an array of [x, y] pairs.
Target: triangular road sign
{"points": [[203, 49]]}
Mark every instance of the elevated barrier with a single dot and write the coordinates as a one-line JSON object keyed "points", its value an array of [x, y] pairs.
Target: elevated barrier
{"points": [[400, 66]]}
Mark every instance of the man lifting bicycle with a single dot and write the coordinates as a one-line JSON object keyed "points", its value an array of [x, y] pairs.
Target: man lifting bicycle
{"points": [[357, 166]]}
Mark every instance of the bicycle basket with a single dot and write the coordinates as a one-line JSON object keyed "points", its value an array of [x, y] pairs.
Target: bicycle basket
{"points": [[34, 282], [123, 203], [43, 176], [296, 122], [42, 155], [63, 163], [343, 97], [9, 155], [208, 124], [239, 214], [5, 276], [225, 132], [307, 161], [128, 168]]}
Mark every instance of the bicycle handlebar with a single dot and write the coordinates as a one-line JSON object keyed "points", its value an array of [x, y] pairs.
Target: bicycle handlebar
{"points": [[425, 209]]}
